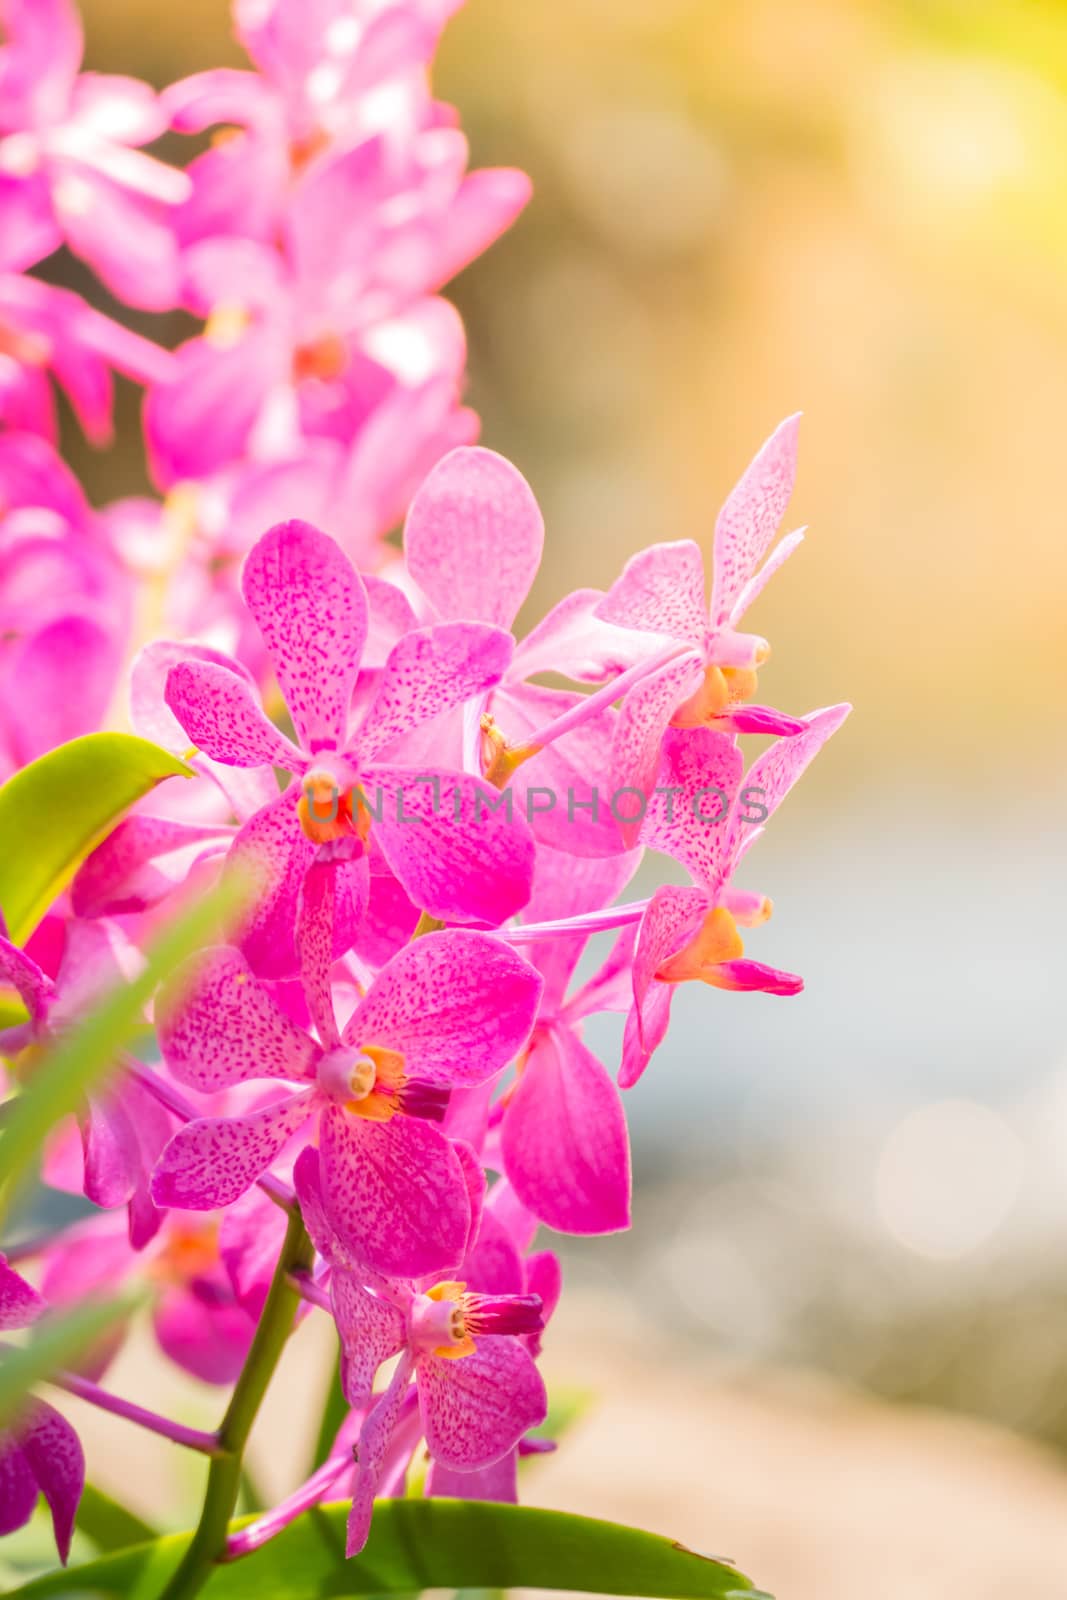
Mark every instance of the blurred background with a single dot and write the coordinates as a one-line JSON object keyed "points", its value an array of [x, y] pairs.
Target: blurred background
{"points": [[857, 208]]}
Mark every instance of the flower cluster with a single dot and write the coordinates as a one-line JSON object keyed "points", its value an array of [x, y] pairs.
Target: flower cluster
{"points": [[384, 1057]]}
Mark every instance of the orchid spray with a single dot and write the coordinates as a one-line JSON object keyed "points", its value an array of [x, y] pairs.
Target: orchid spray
{"points": [[360, 1089]]}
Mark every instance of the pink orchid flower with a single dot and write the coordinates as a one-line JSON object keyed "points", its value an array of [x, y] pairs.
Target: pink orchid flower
{"points": [[123, 1128], [562, 1132], [41, 1454], [70, 172], [692, 932], [293, 343], [45, 330], [197, 1316], [358, 481], [331, 74], [662, 591], [473, 540], [63, 605], [454, 855], [326, 58], [479, 1390], [450, 1009], [500, 1263]]}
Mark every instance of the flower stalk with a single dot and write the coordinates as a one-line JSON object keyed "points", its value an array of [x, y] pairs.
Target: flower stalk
{"points": [[209, 1541], [192, 1438]]}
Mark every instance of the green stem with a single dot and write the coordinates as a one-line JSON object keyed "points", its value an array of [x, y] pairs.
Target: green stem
{"points": [[224, 1476]]}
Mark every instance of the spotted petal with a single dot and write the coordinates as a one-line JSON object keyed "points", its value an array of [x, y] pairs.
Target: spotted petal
{"points": [[661, 590], [19, 1303], [272, 851], [212, 1161], [23, 975], [371, 1332], [18, 1487], [54, 1455], [375, 1437], [219, 712], [750, 518], [395, 1193], [672, 918], [218, 1026], [477, 1408], [431, 670], [644, 718], [311, 609], [703, 768], [457, 1005], [773, 774]]}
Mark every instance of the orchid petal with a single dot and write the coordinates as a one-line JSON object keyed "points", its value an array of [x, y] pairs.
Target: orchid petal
{"points": [[371, 1331], [428, 671], [566, 1151], [574, 640], [498, 1482], [212, 1161], [20, 1304], [217, 710], [558, 794], [758, 582], [250, 1240], [568, 886], [477, 1408], [750, 518], [33, 988], [704, 769], [307, 1181], [395, 1193], [121, 876], [65, 673], [661, 590], [752, 977], [202, 1329], [18, 1487], [457, 1005], [218, 1026], [462, 859], [272, 853], [54, 1455], [773, 774], [149, 713], [474, 536], [314, 940], [493, 1264], [312, 612], [374, 1439], [644, 717]]}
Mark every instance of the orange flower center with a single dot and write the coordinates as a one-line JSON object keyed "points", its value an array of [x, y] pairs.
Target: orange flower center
{"points": [[722, 688], [324, 358], [716, 941]]}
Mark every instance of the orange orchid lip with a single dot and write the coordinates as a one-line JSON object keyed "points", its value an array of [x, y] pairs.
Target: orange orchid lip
{"points": [[717, 941]]}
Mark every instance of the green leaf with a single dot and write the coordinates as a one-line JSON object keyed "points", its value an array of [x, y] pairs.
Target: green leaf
{"points": [[59, 808], [421, 1544], [62, 1078], [56, 1342], [109, 1525]]}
